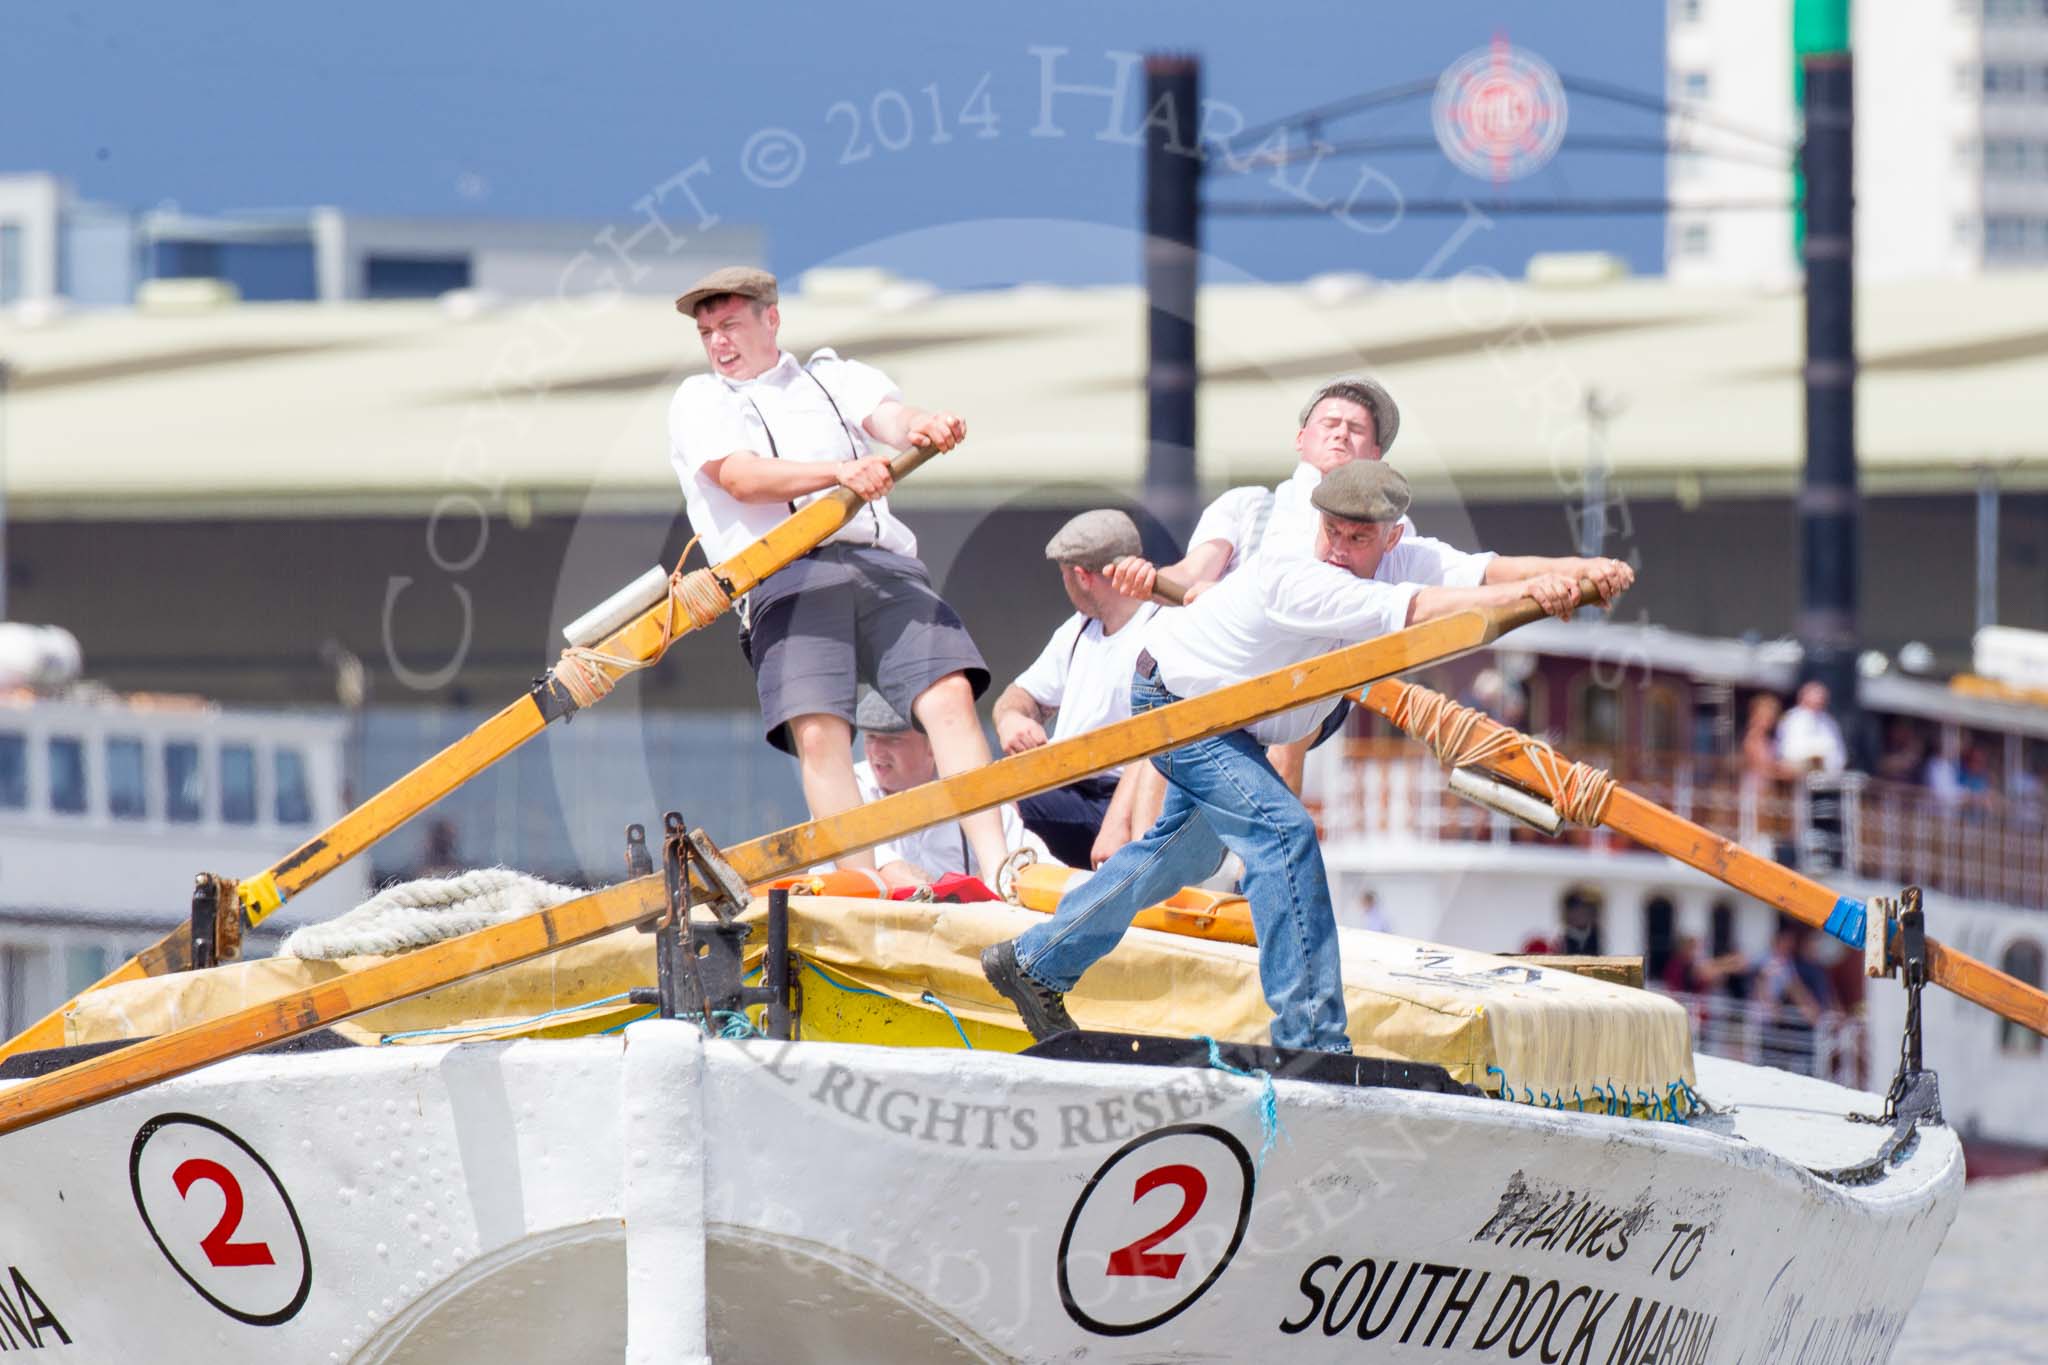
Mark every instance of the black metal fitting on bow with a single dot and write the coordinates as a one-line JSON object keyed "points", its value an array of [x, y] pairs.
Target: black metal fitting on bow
{"points": [[701, 964]]}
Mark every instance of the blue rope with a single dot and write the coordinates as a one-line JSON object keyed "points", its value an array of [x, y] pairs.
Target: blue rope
{"points": [[931, 999], [621, 1028], [1507, 1092], [1269, 1100], [927, 997], [493, 1028], [731, 1024], [842, 986]]}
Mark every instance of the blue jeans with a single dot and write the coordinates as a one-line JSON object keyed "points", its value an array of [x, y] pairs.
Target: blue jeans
{"points": [[1219, 789]]}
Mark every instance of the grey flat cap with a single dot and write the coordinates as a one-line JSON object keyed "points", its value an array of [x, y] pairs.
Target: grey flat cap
{"points": [[743, 280], [1093, 539], [1364, 490], [1369, 393], [875, 716]]}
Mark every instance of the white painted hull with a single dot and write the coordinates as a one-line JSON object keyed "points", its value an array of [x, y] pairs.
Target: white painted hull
{"points": [[664, 1198]]}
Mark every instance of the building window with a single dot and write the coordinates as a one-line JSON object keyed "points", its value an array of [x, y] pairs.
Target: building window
{"points": [[13, 770], [184, 783], [10, 262], [1694, 239], [1966, 232], [84, 967], [2012, 236], [2022, 959], [1688, 11], [294, 805], [1721, 929], [1595, 716], [413, 277], [1660, 720], [1658, 939], [23, 969], [67, 775], [1694, 85], [1579, 918], [127, 784], [237, 784], [2004, 80]]}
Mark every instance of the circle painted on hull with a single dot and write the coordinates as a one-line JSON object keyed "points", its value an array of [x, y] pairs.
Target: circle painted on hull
{"points": [[221, 1217], [1155, 1226]]}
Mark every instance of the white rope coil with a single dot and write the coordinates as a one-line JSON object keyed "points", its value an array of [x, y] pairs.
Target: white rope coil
{"points": [[1463, 737], [416, 913]]}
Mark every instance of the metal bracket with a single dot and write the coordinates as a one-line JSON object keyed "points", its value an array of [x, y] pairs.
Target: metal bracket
{"points": [[700, 964], [216, 921], [1915, 1093]]}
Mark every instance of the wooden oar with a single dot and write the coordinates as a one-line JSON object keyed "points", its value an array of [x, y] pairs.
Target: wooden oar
{"points": [[1806, 900], [642, 640], [759, 860]]}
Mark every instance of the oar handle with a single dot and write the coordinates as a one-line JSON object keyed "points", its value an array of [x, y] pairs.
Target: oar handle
{"points": [[1500, 620], [901, 464]]}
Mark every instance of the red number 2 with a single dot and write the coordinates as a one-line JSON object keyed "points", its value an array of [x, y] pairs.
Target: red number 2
{"points": [[1138, 1258], [215, 1244]]}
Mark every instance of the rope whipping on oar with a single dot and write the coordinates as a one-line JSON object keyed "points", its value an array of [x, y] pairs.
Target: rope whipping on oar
{"points": [[582, 677], [1465, 739], [759, 860]]}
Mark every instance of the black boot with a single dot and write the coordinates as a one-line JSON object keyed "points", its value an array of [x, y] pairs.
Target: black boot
{"points": [[1044, 1009]]}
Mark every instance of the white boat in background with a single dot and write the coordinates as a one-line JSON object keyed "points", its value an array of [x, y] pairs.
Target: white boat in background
{"points": [[1662, 711], [110, 804]]}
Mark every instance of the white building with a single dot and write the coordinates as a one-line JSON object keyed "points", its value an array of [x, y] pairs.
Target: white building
{"points": [[1951, 138], [57, 246]]}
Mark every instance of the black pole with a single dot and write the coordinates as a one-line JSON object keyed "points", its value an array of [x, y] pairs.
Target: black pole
{"points": [[1172, 216], [1828, 500]]}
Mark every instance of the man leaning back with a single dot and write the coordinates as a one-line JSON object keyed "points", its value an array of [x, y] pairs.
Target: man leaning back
{"points": [[753, 440]]}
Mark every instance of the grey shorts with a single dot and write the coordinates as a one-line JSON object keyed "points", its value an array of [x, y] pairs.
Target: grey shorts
{"points": [[847, 615]]}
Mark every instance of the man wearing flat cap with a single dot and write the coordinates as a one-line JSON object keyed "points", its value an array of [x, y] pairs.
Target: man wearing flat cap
{"points": [[752, 441], [1223, 792], [1350, 418], [1080, 680], [896, 759]]}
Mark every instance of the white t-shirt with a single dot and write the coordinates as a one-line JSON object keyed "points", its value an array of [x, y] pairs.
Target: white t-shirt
{"points": [[1086, 675], [943, 848], [1805, 735], [1280, 611], [787, 413], [1282, 518]]}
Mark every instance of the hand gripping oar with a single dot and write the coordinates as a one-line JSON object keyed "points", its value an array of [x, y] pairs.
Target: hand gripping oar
{"points": [[759, 860], [581, 678], [1463, 738]]}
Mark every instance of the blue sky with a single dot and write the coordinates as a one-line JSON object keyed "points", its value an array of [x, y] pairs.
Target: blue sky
{"points": [[909, 115]]}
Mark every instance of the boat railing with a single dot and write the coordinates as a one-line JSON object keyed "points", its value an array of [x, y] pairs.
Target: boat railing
{"points": [[1829, 1043], [1978, 845]]}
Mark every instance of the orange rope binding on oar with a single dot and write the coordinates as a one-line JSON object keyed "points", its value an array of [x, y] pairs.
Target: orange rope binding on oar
{"points": [[589, 675], [1579, 791]]}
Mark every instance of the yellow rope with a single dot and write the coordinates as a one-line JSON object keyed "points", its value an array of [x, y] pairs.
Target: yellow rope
{"points": [[588, 675], [1579, 791]]}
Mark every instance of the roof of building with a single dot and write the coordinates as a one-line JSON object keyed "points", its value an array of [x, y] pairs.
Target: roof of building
{"points": [[330, 408], [1772, 665]]}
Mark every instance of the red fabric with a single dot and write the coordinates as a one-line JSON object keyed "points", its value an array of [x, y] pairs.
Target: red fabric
{"points": [[955, 888]]}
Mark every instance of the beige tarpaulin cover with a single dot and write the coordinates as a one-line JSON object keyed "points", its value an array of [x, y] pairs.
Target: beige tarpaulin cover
{"points": [[1467, 1011]]}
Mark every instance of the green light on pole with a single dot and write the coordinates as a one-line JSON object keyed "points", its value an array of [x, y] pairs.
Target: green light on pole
{"points": [[1818, 26]]}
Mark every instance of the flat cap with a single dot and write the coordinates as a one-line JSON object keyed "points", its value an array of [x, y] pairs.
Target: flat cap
{"points": [[875, 716], [1093, 539], [1370, 394], [743, 280], [1364, 490]]}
